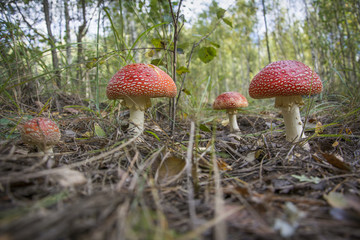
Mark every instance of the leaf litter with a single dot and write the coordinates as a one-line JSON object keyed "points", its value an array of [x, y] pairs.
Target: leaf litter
{"points": [[196, 184]]}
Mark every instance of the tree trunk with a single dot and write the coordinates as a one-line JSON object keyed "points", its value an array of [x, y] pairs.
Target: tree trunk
{"points": [[350, 45], [266, 31], [80, 56], [55, 60], [52, 42], [312, 46], [67, 40], [174, 62]]}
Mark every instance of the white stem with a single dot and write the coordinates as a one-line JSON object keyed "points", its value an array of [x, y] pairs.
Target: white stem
{"points": [[293, 123], [233, 123], [137, 106], [46, 149], [136, 120]]}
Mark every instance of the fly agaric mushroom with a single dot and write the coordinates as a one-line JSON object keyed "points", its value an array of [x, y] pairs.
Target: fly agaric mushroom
{"points": [[41, 132], [287, 81], [230, 101], [137, 83]]}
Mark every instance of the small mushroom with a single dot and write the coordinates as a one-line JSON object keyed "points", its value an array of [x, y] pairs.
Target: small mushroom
{"points": [[231, 102], [137, 83], [287, 81], [41, 132]]}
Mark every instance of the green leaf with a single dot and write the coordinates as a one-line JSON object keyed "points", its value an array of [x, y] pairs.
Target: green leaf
{"points": [[183, 45], [220, 13], [154, 134], [6, 122], [157, 62], [158, 43], [182, 70], [140, 36], [99, 132], [228, 22], [215, 44], [187, 92], [304, 178], [92, 63], [207, 54], [204, 128], [150, 53]]}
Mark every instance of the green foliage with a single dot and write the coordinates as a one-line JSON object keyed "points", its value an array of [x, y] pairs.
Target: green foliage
{"points": [[158, 43], [220, 13], [206, 54], [225, 45], [182, 70], [228, 22]]}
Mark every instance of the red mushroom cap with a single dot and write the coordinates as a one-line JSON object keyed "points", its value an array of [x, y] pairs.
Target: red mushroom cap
{"points": [[40, 132], [230, 100], [285, 78], [141, 79]]}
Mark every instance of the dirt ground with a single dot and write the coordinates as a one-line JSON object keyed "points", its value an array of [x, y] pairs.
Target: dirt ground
{"points": [[198, 183]]}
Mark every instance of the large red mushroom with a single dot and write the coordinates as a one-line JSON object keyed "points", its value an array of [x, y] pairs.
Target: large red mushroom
{"points": [[41, 132], [231, 102], [136, 84], [287, 81]]}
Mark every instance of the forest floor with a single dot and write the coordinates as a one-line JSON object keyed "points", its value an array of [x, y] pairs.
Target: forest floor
{"points": [[199, 183]]}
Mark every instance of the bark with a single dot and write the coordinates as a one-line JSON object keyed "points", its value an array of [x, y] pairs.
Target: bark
{"points": [[80, 48], [177, 30], [350, 45], [67, 39], [312, 46], [52, 42], [54, 57], [266, 31], [340, 30]]}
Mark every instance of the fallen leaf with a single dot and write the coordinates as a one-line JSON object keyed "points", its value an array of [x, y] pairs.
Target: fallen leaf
{"points": [[242, 190], [170, 170], [291, 221], [87, 134], [71, 110], [250, 156], [69, 178], [260, 154], [319, 128], [222, 165], [336, 161], [317, 158], [225, 122], [70, 133], [99, 132], [286, 229], [336, 200], [344, 206], [303, 178], [348, 131]]}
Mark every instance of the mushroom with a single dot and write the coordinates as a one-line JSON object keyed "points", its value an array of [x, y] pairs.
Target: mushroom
{"points": [[41, 132], [136, 84], [230, 101], [287, 81]]}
